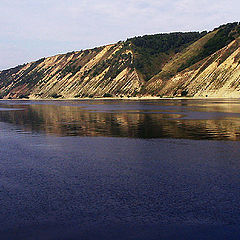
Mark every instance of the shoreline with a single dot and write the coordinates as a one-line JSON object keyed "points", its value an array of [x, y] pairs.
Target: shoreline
{"points": [[119, 98]]}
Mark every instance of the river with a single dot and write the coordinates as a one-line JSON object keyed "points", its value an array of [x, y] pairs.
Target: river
{"points": [[118, 169]]}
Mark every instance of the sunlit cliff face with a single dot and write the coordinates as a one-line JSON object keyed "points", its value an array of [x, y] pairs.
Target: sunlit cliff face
{"points": [[89, 73], [201, 65], [216, 76]]}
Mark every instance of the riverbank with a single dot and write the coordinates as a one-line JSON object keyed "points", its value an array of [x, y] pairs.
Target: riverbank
{"points": [[120, 98]]}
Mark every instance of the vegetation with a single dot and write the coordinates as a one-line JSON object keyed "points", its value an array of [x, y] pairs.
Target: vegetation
{"points": [[153, 51], [24, 96], [55, 95], [107, 95], [6, 76], [116, 64], [31, 78], [226, 34], [184, 93], [71, 69]]}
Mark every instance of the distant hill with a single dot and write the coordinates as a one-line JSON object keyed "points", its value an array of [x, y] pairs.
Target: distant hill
{"points": [[193, 64]]}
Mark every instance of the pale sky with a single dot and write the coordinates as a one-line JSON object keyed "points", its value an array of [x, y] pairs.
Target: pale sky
{"points": [[32, 29]]}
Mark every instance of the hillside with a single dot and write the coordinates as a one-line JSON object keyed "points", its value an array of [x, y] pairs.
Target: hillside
{"points": [[175, 64], [208, 67]]}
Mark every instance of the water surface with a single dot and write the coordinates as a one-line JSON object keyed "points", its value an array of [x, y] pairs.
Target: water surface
{"points": [[164, 169]]}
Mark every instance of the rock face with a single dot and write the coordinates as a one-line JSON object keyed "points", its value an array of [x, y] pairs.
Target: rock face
{"points": [[105, 70], [177, 64], [216, 76]]}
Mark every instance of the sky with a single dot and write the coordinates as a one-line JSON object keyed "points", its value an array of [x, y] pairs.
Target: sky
{"points": [[32, 29]]}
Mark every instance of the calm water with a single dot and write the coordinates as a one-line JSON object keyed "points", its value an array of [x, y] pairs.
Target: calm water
{"points": [[139, 170]]}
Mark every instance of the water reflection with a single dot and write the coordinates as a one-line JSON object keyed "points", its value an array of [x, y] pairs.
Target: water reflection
{"points": [[147, 119]]}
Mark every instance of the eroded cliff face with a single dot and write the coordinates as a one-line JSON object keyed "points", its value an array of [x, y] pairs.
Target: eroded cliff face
{"points": [[215, 76], [104, 71], [164, 65]]}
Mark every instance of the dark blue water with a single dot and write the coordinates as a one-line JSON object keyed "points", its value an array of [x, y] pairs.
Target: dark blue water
{"points": [[119, 170]]}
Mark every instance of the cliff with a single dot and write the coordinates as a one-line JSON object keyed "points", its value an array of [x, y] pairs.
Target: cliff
{"points": [[177, 64]]}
